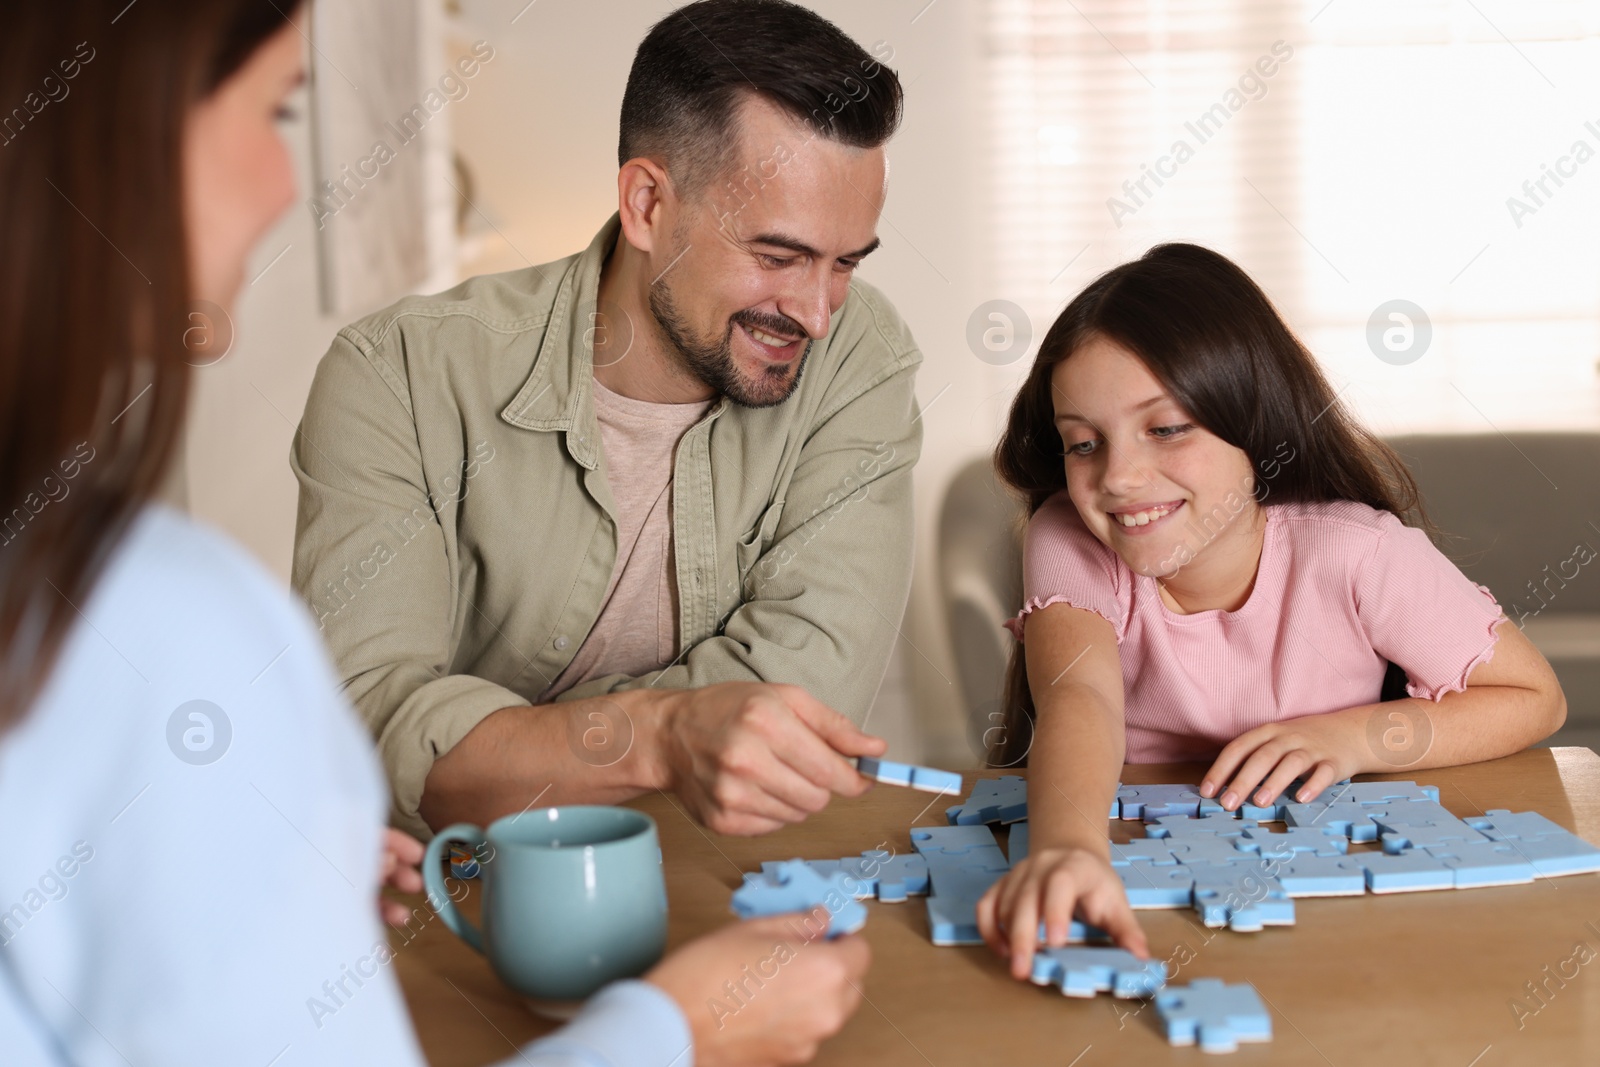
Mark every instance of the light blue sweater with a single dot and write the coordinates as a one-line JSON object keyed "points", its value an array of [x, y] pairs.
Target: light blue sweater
{"points": [[190, 883]]}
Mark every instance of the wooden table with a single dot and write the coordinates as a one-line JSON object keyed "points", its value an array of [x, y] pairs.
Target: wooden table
{"points": [[1414, 979]]}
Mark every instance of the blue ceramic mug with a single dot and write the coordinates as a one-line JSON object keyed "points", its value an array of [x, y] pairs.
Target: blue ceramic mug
{"points": [[573, 898]]}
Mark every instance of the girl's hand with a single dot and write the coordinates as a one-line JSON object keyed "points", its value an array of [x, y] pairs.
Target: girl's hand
{"points": [[1324, 747], [1049, 886], [402, 859]]}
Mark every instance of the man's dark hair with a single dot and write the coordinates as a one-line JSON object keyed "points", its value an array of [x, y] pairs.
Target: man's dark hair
{"points": [[700, 63]]}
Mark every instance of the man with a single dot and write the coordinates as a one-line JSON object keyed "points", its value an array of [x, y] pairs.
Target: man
{"points": [[678, 459]]}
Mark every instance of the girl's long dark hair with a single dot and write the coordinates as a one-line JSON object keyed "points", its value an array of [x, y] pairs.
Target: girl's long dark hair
{"points": [[94, 288], [1212, 338]]}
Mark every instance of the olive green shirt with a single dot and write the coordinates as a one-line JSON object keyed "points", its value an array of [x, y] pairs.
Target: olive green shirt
{"points": [[456, 533]]}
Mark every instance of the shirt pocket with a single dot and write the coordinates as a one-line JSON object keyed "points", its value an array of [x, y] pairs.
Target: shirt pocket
{"points": [[753, 545]]}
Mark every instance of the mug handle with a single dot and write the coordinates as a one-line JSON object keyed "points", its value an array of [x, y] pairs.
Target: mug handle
{"points": [[433, 878]]}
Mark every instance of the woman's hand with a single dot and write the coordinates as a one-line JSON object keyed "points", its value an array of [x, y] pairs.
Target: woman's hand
{"points": [[402, 859], [1049, 886], [794, 989], [1325, 748]]}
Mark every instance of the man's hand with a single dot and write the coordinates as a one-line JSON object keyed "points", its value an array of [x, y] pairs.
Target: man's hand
{"points": [[1325, 748], [402, 855], [796, 989], [748, 758]]}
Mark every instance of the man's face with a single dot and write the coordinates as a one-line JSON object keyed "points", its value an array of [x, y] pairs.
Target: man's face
{"points": [[762, 256]]}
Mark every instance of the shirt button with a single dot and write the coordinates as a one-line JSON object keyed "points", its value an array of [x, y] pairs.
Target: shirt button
{"points": [[561, 644]]}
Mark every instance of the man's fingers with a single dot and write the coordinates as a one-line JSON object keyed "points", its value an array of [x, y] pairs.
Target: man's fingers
{"points": [[842, 735]]}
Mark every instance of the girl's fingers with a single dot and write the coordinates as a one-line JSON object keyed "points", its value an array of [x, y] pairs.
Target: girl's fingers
{"points": [[1023, 932], [1060, 896], [1227, 761], [1323, 775], [1288, 769], [1261, 761], [989, 922], [1111, 912]]}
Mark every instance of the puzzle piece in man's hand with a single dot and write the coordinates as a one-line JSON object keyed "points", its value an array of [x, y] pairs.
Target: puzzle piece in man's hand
{"points": [[993, 800], [927, 779], [1219, 1015], [1294, 841], [1083, 972], [793, 886]]}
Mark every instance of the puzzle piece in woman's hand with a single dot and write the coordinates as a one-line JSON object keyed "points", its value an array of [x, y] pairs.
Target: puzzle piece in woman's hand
{"points": [[792, 886]]}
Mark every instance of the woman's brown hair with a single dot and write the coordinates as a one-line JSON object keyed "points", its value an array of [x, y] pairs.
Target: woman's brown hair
{"points": [[94, 289], [1212, 338]]}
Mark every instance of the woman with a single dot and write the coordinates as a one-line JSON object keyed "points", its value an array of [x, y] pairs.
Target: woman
{"points": [[192, 816]]}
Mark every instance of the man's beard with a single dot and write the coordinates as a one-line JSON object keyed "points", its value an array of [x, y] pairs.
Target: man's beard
{"points": [[713, 363]]}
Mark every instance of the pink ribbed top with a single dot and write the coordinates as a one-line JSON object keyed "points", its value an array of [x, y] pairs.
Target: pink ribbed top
{"points": [[1341, 588]]}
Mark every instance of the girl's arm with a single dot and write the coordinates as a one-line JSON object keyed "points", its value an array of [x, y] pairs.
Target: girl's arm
{"points": [[1075, 677], [1511, 701]]}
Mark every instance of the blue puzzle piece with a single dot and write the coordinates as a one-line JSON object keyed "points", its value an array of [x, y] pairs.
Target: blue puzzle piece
{"points": [[1400, 837], [1017, 845], [1483, 863], [1354, 821], [993, 800], [1384, 793], [1217, 1014], [1557, 854], [1157, 850], [952, 840], [927, 779], [1083, 972], [1154, 801], [1213, 851], [1308, 875], [1185, 828], [1405, 873], [1501, 825], [1296, 840], [1151, 886], [793, 886], [1242, 898], [874, 873]]}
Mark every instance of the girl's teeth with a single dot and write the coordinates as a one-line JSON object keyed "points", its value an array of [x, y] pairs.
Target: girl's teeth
{"points": [[1143, 518]]}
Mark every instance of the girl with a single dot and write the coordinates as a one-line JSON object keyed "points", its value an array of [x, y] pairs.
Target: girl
{"points": [[1219, 567]]}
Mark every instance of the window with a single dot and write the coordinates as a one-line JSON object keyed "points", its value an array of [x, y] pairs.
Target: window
{"points": [[1347, 153]]}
